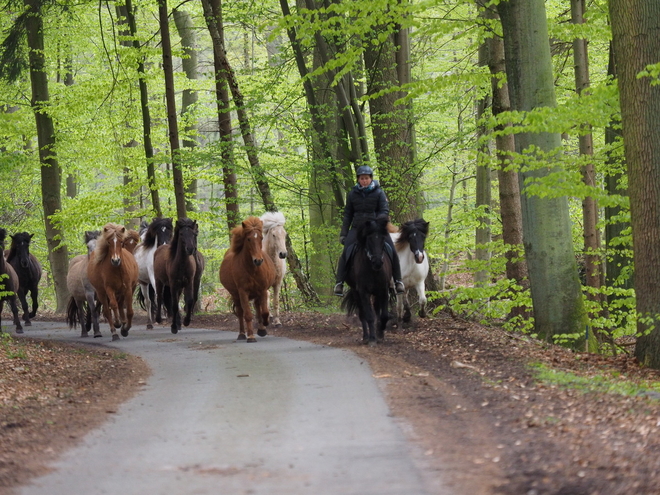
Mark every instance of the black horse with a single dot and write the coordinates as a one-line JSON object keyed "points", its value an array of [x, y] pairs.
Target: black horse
{"points": [[8, 285], [28, 269], [369, 280]]}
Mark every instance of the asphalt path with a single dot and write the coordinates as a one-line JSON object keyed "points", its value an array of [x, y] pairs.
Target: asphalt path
{"points": [[218, 416]]}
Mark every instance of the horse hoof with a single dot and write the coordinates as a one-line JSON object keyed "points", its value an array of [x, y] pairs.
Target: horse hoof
{"points": [[422, 314], [241, 336], [277, 325], [28, 323], [115, 337], [117, 324], [261, 333], [372, 343], [124, 332], [175, 330], [150, 326], [252, 339], [186, 322], [97, 335], [19, 330], [84, 334]]}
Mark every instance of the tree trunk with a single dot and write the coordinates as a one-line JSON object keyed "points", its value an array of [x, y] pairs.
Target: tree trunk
{"points": [[555, 286], [51, 175], [592, 259], [636, 44], [172, 118], [392, 129], [186, 32], [146, 117]]}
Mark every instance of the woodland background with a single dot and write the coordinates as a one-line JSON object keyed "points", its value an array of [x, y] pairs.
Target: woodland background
{"points": [[123, 111]]}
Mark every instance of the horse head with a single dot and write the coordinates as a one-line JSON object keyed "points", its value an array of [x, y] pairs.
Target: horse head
{"points": [[131, 240], [253, 239], [274, 233], [113, 239], [91, 237], [414, 232], [185, 236], [371, 236], [20, 248]]}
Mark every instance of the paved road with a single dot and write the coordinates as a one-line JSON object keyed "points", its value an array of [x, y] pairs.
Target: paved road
{"points": [[224, 417]]}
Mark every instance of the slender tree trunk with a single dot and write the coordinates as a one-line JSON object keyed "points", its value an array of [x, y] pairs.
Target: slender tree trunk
{"points": [[172, 118], [555, 286], [146, 117], [636, 44], [51, 175], [184, 26], [592, 257]]}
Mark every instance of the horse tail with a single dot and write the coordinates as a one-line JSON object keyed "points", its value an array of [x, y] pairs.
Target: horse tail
{"points": [[140, 297], [72, 313], [350, 302]]}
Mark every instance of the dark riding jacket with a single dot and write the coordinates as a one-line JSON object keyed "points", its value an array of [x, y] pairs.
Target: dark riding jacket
{"points": [[363, 204]]}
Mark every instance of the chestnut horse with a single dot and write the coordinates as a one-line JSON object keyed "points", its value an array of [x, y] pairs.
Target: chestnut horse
{"points": [[248, 274], [8, 285], [82, 303], [28, 269], [274, 246], [113, 273], [178, 268]]}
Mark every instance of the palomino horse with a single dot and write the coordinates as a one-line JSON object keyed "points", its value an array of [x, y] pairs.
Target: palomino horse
{"points": [[8, 285], [28, 269], [155, 234], [113, 273], [248, 274], [369, 280], [178, 268], [274, 245], [82, 303], [409, 242]]}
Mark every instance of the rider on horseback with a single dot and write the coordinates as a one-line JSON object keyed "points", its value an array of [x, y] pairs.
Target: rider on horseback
{"points": [[366, 200]]}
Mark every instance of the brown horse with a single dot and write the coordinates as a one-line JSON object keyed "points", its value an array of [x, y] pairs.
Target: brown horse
{"points": [[248, 274], [8, 284], [82, 292], [113, 273], [178, 270]]}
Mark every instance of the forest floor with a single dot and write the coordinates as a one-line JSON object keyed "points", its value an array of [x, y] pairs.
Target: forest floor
{"points": [[470, 396]]}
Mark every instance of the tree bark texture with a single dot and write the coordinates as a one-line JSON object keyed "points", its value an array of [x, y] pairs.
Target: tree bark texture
{"points": [[51, 175], [555, 286], [636, 44]]}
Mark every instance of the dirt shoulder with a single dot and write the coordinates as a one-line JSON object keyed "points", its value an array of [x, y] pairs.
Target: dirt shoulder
{"points": [[465, 393]]}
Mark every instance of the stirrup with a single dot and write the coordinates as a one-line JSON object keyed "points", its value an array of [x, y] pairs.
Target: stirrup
{"points": [[339, 289], [399, 287]]}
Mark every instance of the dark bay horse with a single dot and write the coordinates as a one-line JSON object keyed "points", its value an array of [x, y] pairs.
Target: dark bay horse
{"points": [[113, 273], [28, 269], [178, 268], [247, 274], [369, 280], [409, 242], [155, 234], [82, 303], [8, 285]]}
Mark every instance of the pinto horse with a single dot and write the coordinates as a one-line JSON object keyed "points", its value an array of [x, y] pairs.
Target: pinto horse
{"points": [[369, 280], [155, 234], [113, 273], [274, 245], [178, 268], [247, 274], [82, 303], [409, 243], [8, 285], [28, 269]]}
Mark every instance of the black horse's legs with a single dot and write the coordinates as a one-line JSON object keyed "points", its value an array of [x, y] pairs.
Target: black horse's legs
{"points": [[35, 302], [22, 298]]}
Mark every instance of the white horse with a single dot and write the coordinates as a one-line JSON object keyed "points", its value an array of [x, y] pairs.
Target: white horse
{"points": [[409, 243], [153, 235], [274, 244]]}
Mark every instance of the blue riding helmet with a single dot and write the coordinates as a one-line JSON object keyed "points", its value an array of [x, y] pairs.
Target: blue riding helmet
{"points": [[364, 170]]}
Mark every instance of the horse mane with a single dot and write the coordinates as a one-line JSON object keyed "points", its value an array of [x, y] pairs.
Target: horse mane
{"points": [[149, 232], [109, 230], [238, 233], [15, 240], [3, 237], [181, 223], [272, 219], [409, 228]]}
